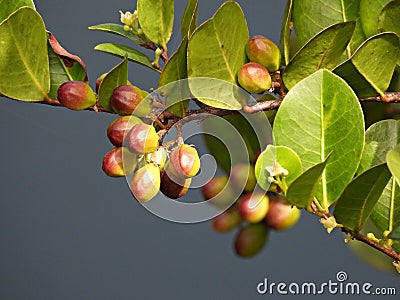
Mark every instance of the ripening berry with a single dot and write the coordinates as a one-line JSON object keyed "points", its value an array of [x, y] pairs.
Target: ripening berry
{"points": [[226, 221], [253, 207], [243, 177], [219, 191], [281, 215], [145, 183], [254, 78], [119, 162], [120, 127], [142, 139], [184, 161], [128, 99], [263, 51], [76, 95], [174, 188], [251, 239]]}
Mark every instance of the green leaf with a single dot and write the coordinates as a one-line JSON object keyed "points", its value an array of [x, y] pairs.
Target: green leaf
{"points": [[369, 15], [225, 35], [121, 50], [389, 18], [117, 29], [156, 18], [393, 162], [312, 16], [189, 19], [61, 72], [116, 77], [322, 51], [8, 7], [321, 114], [174, 71], [304, 188], [24, 76], [359, 198], [285, 157], [286, 32], [373, 63], [395, 234]]}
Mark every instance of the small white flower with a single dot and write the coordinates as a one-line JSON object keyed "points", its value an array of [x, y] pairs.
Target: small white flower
{"points": [[277, 170], [127, 18]]}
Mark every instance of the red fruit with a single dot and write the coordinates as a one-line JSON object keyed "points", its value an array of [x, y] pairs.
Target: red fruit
{"points": [[226, 221], [263, 51], [118, 128], [119, 162], [281, 215], [184, 161], [174, 188], [142, 139], [145, 183], [76, 95], [250, 240], [243, 177], [253, 207], [218, 189], [254, 78], [128, 99]]}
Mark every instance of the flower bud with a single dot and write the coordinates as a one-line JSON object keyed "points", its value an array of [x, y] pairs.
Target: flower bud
{"points": [[76, 95], [119, 162], [128, 99], [251, 239], [184, 161], [119, 128], [254, 78], [253, 207], [145, 183], [142, 139], [263, 51]]}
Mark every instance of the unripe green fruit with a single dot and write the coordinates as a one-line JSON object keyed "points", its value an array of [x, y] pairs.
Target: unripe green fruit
{"points": [[119, 162], [263, 51], [226, 221], [128, 99], [142, 139], [76, 95], [251, 239], [184, 161], [254, 78], [145, 183], [243, 177], [281, 215], [218, 189], [174, 188], [253, 207], [120, 127]]}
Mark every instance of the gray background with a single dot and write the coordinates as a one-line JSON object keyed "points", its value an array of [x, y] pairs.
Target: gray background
{"points": [[69, 232]]}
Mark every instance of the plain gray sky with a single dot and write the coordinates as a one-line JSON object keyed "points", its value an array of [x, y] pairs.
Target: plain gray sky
{"points": [[69, 232]]}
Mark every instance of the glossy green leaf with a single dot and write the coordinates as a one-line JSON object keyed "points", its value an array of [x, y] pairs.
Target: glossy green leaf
{"points": [[285, 157], [121, 50], [116, 77], [359, 198], [189, 19], [117, 29], [156, 18], [321, 114], [286, 32], [395, 234], [312, 16], [24, 76], [304, 188], [8, 7], [322, 51], [374, 62], [369, 15], [61, 72], [393, 162], [175, 70], [389, 17], [380, 138], [225, 35]]}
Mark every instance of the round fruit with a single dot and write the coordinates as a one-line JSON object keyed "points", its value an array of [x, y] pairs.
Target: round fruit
{"points": [[243, 177], [174, 188], [263, 51], [128, 99], [145, 183], [119, 162], [142, 139], [226, 221], [219, 191], [76, 95], [253, 207], [184, 161], [254, 78], [251, 239], [118, 128], [281, 215]]}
